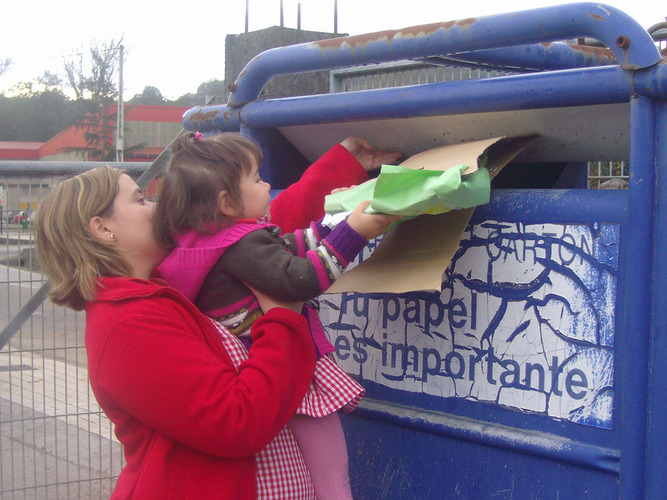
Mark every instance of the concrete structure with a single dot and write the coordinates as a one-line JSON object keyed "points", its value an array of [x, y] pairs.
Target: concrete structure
{"points": [[241, 48]]}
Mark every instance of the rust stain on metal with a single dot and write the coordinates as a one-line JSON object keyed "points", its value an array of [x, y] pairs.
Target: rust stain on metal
{"points": [[586, 49], [423, 29], [227, 115], [466, 22], [596, 51], [599, 53], [597, 17], [623, 42], [202, 115]]}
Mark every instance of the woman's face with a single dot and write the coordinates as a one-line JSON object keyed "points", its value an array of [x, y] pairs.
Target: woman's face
{"points": [[131, 222]]}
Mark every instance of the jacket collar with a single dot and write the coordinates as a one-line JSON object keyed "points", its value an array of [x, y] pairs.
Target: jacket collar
{"points": [[118, 288]]}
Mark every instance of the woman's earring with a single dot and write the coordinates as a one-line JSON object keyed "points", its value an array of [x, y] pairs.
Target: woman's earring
{"points": [[111, 236]]}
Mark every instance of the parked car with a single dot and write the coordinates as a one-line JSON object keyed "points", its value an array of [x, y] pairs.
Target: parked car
{"points": [[8, 215], [16, 216]]}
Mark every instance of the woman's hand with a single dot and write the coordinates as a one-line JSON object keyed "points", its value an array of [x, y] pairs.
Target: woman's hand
{"points": [[368, 156], [340, 190], [370, 225], [267, 303]]}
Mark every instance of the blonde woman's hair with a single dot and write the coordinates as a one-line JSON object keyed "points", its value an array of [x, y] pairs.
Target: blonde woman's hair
{"points": [[70, 255]]}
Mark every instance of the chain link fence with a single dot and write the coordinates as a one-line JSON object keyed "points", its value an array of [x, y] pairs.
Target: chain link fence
{"points": [[55, 442]]}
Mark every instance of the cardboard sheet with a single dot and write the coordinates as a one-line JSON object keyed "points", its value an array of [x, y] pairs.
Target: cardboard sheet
{"points": [[414, 254]]}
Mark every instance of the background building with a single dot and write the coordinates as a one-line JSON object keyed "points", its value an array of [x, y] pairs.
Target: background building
{"points": [[148, 130]]}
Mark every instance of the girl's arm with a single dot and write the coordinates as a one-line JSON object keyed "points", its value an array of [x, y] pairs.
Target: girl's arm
{"points": [[302, 240], [262, 261], [303, 202]]}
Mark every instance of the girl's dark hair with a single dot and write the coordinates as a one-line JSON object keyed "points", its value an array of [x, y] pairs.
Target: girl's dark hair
{"points": [[198, 171]]}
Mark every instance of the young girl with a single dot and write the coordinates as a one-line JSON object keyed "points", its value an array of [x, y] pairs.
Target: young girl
{"points": [[213, 210]]}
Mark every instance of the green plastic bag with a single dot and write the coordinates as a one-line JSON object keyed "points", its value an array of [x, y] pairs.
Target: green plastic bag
{"points": [[409, 192]]}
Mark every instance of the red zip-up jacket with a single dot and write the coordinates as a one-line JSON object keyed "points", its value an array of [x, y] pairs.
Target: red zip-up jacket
{"points": [[190, 425]]}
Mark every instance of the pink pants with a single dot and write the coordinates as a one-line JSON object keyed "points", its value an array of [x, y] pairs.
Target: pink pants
{"points": [[322, 444]]}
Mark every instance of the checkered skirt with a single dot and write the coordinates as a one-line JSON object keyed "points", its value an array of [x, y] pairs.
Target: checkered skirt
{"points": [[281, 471]]}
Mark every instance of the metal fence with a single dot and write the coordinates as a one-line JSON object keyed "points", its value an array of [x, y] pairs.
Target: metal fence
{"points": [[55, 443], [398, 74], [608, 175]]}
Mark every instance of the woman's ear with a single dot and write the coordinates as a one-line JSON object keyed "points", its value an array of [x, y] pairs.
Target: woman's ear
{"points": [[226, 205], [98, 228]]}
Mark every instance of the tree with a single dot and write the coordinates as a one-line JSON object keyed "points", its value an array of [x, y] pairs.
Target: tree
{"points": [[4, 65], [205, 91], [188, 99], [94, 80], [50, 81], [98, 132], [150, 95], [211, 88], [93, 84], [36, 115]]}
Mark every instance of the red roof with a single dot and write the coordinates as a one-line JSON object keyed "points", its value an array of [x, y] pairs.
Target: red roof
{"points": [[12, 150], [72, 136]]}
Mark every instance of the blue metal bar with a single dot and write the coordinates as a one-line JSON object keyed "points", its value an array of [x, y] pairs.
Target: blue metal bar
{"points": [[656, 438], [490, 434], [540, 56], [537, 90], [652, 82], [632, 46], [575, 206], [632, 347]]}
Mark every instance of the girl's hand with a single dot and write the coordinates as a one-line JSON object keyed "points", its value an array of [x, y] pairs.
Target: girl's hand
{"points": [[267, 303], [338, 190], [370, 225], [368, 156]]}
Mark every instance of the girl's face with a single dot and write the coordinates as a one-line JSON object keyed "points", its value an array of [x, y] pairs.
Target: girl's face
{"points": [[255, 194], [131, 222]]}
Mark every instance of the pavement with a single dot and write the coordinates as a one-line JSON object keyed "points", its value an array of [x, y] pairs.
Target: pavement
{"points": [[54, 442], [15, 235], [25, 253]]}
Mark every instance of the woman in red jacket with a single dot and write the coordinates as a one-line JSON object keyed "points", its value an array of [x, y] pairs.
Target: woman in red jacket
{"points": [[197, 414]]}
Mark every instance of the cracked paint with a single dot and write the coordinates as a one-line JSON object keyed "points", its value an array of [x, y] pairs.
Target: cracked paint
{"points": [[525, 319]]}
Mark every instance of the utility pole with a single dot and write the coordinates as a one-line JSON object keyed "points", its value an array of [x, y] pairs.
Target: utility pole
{"points": [[120, 118], [335, 16]]}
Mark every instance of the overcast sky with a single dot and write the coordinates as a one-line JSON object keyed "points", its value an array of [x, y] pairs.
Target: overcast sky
{"points": [[176, 49]]}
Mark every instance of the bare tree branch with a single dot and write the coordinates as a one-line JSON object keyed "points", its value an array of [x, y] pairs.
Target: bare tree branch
{"points": [[75, 76], [93, 82], [94, 79], [4, 65]]}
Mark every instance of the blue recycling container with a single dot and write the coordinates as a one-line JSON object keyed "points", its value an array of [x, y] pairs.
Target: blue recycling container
{"points": [[539, 369]]}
